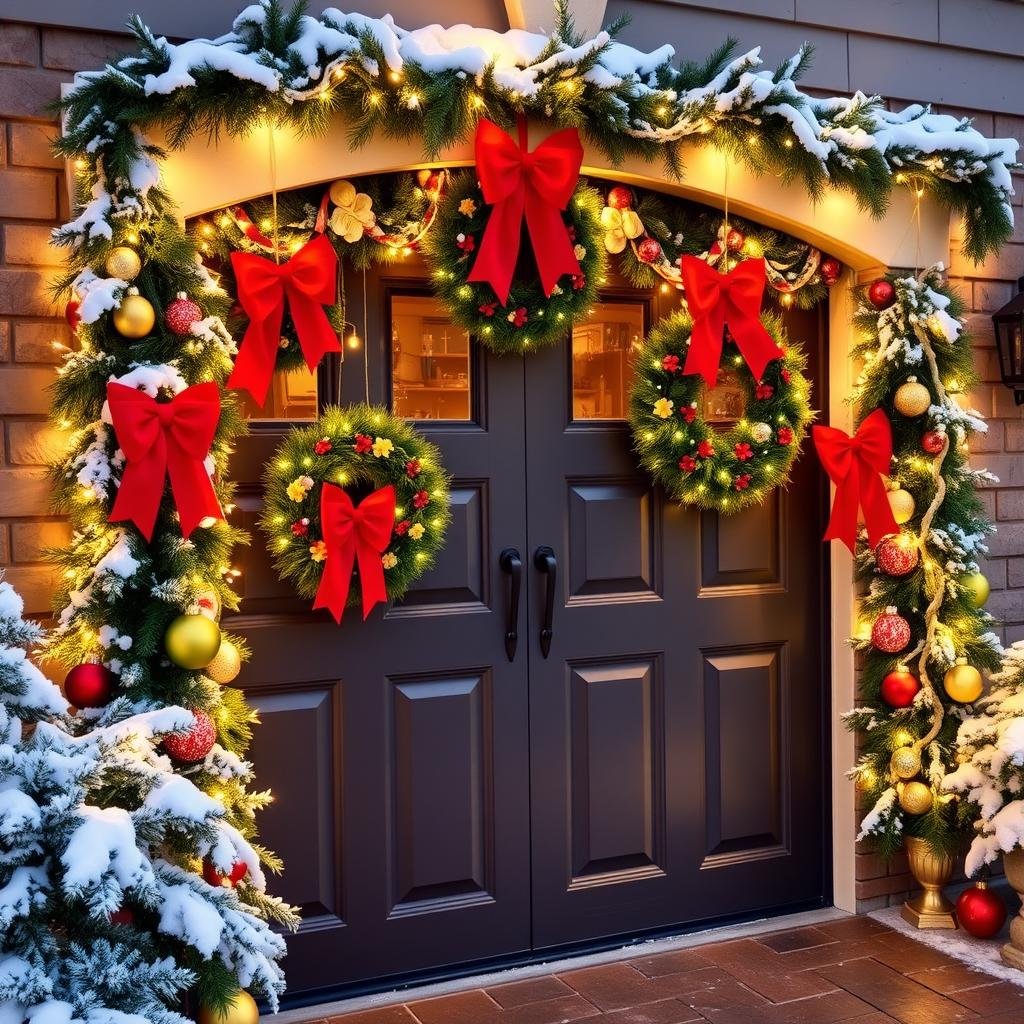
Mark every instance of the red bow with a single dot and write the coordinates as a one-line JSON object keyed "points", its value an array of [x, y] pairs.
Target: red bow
{"points": [[854, 464], [718, 299], [308, 281], [352, 533], [536, 185], [165, 439]]}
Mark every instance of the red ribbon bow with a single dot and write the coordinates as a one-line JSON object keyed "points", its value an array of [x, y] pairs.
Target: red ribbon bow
{"points": [[854, 464], [165, 440], [354, 533], [536, 185], [308, 282], [716, 300]]}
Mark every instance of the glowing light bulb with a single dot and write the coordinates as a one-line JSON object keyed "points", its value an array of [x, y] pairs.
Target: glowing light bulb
{"points": [[353, 341]]}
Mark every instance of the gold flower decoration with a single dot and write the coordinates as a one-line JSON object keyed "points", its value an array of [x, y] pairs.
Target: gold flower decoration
{"points": [[318, 551], [389, 560], [619, 227], [416, 531], [353, 214], [382, 448], [663, 408]]}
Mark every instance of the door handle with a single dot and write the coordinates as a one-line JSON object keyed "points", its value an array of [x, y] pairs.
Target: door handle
{"points": [[544, 561], [512, 565]]}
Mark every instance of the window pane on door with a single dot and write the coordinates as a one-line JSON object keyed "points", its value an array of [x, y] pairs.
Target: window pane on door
{"points": [[603, 349], [291, 396], [430, 365]]}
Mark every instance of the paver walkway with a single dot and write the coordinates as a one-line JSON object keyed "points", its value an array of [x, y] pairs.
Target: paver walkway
{"points": [[854, 970]]}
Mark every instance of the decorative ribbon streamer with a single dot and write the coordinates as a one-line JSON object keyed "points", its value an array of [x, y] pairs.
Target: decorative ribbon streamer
{"points": [[518, 184], [717, 300], [855, 465], [165, 440], [354, 533], [307, 283]]}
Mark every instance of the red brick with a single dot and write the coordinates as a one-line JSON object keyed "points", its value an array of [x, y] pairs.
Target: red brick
{"points": [[30, 540], [1015, 572], [23, 390], [72, 50], [27, 94], [36, 584], [1006, 606], [5, 341], [5, 546], [31, 146], [24, 492], [533, 990], [33, 342], [34, 443], [28, 194], [991, 295], [29, 245], [19, 44], [1015, 436], [25, 293], [1010, 505], [979, 326], [871, 887]]}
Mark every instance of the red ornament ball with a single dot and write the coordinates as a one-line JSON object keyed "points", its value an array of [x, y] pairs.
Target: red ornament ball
{"points": [[72, 313], [980, 911], [932, 442], [890, 632], [897, 556], [193, 744], [735, 240], [227, 880], [831, 269], [89, 685], [648, 250], [899, 688], [620, 198], [881, 294], [182, 313]]}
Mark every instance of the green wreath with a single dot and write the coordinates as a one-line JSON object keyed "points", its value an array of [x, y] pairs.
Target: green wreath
{"points": [[529, 320], [725, 469], [361, 448]]}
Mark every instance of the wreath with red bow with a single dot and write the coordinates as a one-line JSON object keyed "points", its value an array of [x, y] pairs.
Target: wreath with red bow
{"points": [[722, 444], [356, 508]]}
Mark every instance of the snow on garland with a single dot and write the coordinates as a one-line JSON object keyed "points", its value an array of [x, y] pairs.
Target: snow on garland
{"points": [[436, 82]]}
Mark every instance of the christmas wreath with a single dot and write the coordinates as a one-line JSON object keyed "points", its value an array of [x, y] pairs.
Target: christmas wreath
{"points": [[728, 468], [359, 491], [528, 319]]}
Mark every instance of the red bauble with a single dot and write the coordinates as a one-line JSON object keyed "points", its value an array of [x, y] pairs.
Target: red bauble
{"points": [[228, 880], [899, 688], [980, 911], [72, 313], [830, 270], [193, 744], [648, 250], [89, 685], [735, 240], [182, 313], [890, 632], [620, 198], [932, 442], [123, 916], [882, 294], [897, 556]]}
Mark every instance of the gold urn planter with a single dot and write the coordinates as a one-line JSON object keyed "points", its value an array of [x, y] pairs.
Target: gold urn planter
{"points": [[1013, 951], [929, 908]]}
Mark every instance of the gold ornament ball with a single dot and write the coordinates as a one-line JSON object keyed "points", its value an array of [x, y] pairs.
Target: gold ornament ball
{"points": [[241, 1010], [192, 641], [976, 585], [902, 504], [135, 317], [916, 798], [226, 664], [963, 682], [905, 762], [912, 398], [123, 263]]}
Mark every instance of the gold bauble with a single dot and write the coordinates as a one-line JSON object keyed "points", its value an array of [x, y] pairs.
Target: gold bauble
{"points": [[192, 641], [123, 263], [902, 504], [905, 762], [242, 1010], [226, 664], [912, 398], [963, 682], [135, 317], [976, 585], [916, 798]]}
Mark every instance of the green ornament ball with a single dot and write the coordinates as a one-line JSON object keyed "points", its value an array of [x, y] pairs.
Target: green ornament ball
{"points": [[192, 641], [976, 585]]}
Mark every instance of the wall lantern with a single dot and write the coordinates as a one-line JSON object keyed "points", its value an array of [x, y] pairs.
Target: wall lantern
{"points": [[1009, 325]]}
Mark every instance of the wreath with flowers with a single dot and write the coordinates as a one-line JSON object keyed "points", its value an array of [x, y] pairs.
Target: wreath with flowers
{"points": [[727, 467], [363, 451], [529, 319]]}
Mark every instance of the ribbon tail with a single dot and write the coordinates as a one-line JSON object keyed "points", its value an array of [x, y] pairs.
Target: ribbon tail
{"points": [[254, 364], [878, 517], [336, 580], [496, 258], [371, 578], [316, 336], [842, 523], [756, 345], [705, 352], [139, 494], [552, 249], [193, 492]]}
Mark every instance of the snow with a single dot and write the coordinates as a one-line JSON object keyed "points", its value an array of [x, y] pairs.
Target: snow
{"points": [[103, 845]]}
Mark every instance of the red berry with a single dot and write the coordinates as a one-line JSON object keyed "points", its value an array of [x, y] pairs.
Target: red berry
{"points": [[689, 413], [412, 468], [72, 314], [785, 435], [687, 464], [763, 392], [705, 449], [670, 364], [323, 446], [421, 499], [363, 444]]}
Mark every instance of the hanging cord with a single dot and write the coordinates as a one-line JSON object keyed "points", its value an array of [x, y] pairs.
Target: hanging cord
{"points": [[273, 185], [366, 344], [344, 323]]}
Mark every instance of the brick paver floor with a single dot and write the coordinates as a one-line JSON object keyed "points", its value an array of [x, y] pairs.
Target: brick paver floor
{"points": [[854, 970]]}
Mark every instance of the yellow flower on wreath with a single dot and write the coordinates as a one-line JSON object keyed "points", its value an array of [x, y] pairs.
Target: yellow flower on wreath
{"points": [[382, 448], [299, 488], [416, 531], [389, 560], [318, 551], [663, 408], [467, 207]]}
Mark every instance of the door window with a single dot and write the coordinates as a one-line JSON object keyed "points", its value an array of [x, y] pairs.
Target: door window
{"points": [[603, 349], [292, 396]]}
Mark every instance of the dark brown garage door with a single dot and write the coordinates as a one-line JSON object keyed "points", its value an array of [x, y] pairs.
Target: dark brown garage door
{"points": [[653, 754]]}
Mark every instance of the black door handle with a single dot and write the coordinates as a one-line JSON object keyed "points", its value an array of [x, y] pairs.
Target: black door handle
{"points": [[544, 561], [512, 565]]}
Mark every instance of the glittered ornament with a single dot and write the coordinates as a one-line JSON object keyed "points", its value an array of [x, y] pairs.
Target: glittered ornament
{"points": [[735, 240], [241, 1010], [73, 314], [620, 198], [192, 745], [980, 911], [89, 685], [830, 270], [912, 398], [890, 632], [897, 556], [135, 317], [192, 640], [226, 664], [181, 314], [905, 762], [881, 294], [963, 682], [123, 262], [227, 880], [899, 688], [916, 798], [932, 441], [648, 250], [902, 504], [977, 587], [761, 432]]}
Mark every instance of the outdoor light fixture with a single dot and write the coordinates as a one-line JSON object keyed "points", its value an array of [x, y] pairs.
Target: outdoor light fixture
{"points": [[1009, 325]]}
